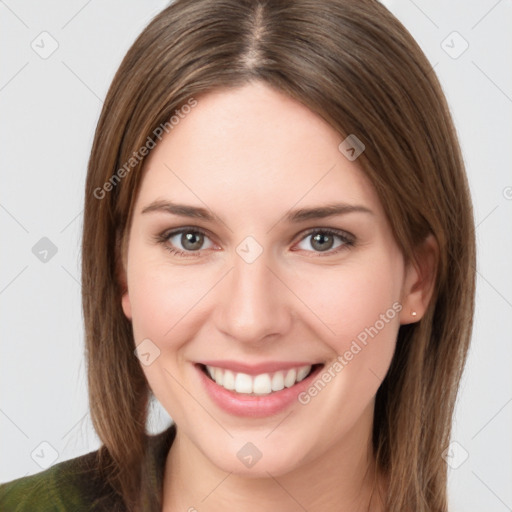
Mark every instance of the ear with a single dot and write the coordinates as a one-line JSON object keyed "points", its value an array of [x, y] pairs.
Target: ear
{"points": [[420, 280], [126, 304], [122, 278]]}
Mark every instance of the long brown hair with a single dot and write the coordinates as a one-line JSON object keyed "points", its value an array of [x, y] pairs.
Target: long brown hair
{"points": [[356, 66]]}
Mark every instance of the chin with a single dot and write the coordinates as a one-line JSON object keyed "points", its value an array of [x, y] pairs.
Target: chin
{"points": [[249, 456]]}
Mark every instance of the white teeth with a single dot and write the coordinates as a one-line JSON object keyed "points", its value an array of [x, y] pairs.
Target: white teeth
{"points": [[290, 378], [243, 383], [219, 376], [229, 380], [262, 384], [302, 373], [277, 381]]}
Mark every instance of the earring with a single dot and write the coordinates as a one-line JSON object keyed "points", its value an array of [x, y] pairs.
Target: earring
{"points": [[413, 313]]}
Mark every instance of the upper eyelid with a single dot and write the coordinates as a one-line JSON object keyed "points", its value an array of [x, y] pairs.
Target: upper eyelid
{"points": [[176, 231], [335, 231]]}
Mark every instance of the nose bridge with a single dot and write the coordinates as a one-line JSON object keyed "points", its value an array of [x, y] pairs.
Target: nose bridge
{"points": [[252, 305]]}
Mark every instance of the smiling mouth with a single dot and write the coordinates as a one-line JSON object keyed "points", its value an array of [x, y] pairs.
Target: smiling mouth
{"points": [[261, 384]]}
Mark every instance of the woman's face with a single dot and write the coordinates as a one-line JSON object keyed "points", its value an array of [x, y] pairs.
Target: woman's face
{"points": [[259, 250]]}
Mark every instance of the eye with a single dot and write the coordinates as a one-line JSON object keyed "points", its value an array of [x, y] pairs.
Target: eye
{"points": [[185, 241], [326, 240], [189, 242]]}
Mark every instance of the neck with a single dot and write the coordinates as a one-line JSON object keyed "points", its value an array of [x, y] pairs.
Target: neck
{"points": [[342, 479]]}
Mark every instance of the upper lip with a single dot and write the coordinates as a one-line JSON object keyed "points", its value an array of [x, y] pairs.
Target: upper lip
{"points": [[256, 369]]}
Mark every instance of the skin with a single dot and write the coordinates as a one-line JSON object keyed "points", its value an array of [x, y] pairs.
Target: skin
{"points": [[249, 155]]}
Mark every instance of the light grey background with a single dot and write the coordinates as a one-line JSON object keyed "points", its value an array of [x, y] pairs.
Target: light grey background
{"points": [[49, 107]]}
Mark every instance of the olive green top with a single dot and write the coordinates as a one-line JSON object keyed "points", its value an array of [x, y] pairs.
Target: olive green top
{"points": [[75, 485]]}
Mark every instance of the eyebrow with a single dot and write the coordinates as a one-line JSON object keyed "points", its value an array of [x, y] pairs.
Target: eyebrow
{"points": [[179, 209], [322, 212], [293, 216]]}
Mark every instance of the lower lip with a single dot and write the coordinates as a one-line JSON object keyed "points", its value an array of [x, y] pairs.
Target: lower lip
{"points": [[251, 405]]}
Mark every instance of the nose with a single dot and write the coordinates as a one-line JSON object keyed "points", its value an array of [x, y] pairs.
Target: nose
{"points": [[253, 305]]}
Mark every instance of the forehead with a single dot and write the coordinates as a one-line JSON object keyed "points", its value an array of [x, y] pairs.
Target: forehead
{"points": [[253, 148]]}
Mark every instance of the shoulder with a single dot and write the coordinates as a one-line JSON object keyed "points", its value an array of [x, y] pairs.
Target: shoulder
{"points": [[70, 485], [79, 484]]}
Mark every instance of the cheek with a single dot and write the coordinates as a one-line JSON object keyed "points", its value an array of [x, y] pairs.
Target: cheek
{"points": [[167, 304], [356, 303], [360, 305], [163, 299]]}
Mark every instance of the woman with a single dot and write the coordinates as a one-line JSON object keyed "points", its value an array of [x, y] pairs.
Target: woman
{"points": [[278, 245]]}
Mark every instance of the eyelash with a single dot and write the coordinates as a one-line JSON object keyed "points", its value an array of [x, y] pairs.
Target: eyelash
{"points": [[347, 240]]}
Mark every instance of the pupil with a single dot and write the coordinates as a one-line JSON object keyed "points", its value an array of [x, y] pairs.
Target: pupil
{"points": [[192, 241], [322, 242]]}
